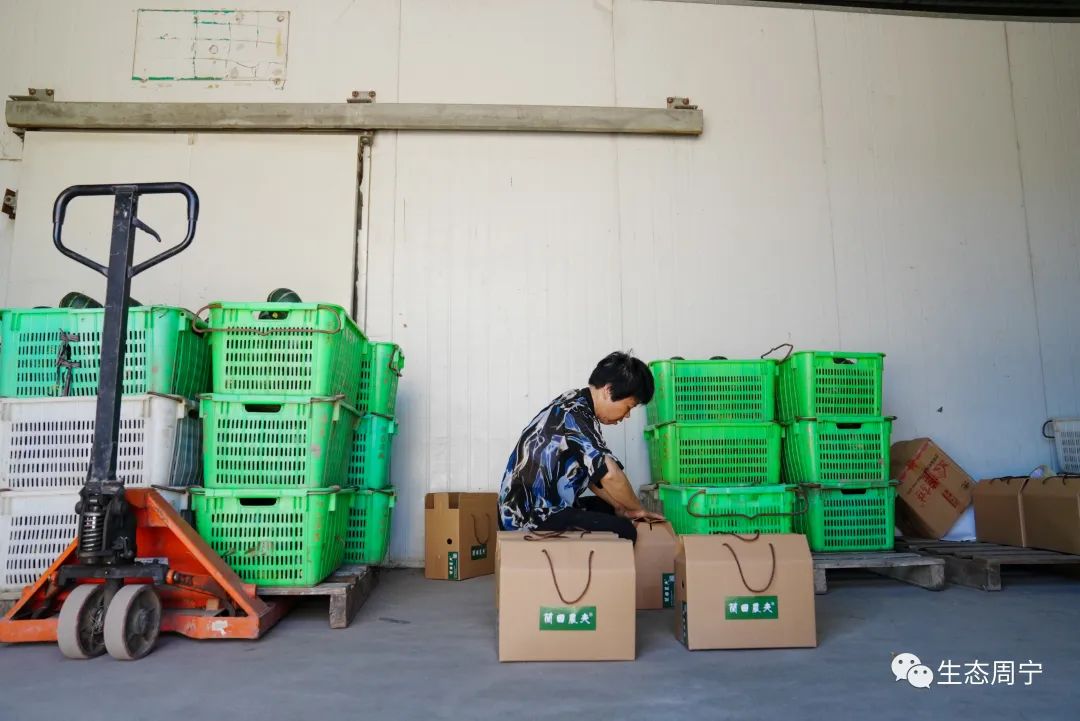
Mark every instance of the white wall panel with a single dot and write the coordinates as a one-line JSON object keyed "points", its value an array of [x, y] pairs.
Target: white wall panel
{"points": [[84, 50], [928, 223], [505, 288], [275, 211], [1045, 64]]}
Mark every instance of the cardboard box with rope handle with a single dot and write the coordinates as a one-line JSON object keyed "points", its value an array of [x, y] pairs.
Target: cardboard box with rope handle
{"points": [[734, 591]]}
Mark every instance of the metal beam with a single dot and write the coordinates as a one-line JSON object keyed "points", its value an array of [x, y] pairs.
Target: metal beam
{"points": [[23, 114], [999, 10]]}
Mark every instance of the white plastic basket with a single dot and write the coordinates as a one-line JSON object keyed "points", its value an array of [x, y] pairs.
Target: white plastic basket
{"points": [[1066, 433], [45, 442], [35, 528]]}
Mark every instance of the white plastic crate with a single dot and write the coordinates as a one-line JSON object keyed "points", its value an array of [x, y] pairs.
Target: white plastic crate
{"points": [[45, 442], [1066, 432], [35, 527]]}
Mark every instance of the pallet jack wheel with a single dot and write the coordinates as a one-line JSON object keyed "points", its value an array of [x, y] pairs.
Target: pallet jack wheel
{"points": [[133, 622], [80, 628]]}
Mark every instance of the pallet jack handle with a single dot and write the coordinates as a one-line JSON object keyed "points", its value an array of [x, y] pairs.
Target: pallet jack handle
{"points": [[124, 212]]}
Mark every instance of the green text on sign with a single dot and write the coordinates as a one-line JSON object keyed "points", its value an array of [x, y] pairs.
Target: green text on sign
{"points": [[750, 608], [479, 552], [568, 618], [452, 565], [669, 590]]}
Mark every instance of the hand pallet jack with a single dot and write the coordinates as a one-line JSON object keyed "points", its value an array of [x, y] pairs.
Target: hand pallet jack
{"points": [[136, 567]]}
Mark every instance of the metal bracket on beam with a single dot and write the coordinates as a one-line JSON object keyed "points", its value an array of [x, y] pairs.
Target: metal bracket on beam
{"points": [[677, 103], [45, 95], [351, 117], [361, 96]]}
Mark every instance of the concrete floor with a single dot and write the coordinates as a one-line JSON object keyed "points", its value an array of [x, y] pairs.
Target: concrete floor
{"points": [[426, 650]]}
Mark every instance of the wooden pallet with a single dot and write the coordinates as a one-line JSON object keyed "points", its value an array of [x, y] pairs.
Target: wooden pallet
{"points": [[978, 565], [913, 568], [348, 588]]}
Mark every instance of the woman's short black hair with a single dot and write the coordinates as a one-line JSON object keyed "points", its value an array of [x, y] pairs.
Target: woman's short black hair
{"points": [[627, 375]]}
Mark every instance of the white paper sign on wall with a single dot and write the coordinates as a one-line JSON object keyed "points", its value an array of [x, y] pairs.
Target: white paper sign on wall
{"points": [[211, 45]]}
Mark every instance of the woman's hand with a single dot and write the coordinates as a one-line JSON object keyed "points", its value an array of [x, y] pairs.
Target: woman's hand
{"points": [[642, 515]]}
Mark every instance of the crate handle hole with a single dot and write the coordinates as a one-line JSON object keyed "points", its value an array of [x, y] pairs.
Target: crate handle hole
{"points": [[848, 426], [262, 407], [258, 501], [843, 361]]}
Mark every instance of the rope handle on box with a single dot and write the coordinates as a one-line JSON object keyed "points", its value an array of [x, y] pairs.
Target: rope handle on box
{"points": [[738, 565], [267, 331], [801, 511], [476, 530], [588, 581]]}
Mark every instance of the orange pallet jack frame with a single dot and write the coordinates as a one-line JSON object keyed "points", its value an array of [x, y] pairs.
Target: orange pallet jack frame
{"points": [[201, 597]]}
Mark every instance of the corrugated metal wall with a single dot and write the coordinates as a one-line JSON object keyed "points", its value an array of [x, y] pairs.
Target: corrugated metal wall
{"points": [[902, 184]]}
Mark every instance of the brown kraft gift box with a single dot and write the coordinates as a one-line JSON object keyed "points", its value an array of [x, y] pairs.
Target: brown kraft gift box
{"points": [[459, 535], [738, 592], [567, 598], [933, 490], [1052, 513], [999, 510], [654, 558]]}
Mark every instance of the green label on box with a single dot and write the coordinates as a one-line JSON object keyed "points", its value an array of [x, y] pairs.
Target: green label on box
{"points": [[568, 618], [479, 552], [685, 634], [750, 608], [452, 565], [669, 590]]}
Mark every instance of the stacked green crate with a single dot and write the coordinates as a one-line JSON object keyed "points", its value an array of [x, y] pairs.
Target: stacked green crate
{"points": [[714, 446], [279, 430], [836, 447], [368, 534]]}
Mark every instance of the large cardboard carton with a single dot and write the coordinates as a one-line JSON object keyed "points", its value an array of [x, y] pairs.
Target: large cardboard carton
{"points": [[459, 535], [654, 559], [736, 593], [569, 598], [1051, 509], [999, 515], [933, 490]]}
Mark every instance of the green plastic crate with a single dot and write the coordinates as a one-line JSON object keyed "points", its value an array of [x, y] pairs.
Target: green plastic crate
{"points": [[369, 461], [275, 441], [288, 349], [859, 517], [713, 390], [830, 383], [164, 353], [275, 537], [737, 509], [368, 533], [715, 454], [380, 370], [837, 450]]}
